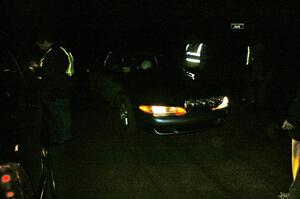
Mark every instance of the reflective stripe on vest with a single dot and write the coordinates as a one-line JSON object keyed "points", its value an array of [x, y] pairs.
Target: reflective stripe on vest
{"points": [[249, 54], [70, 70], [197, 53], [193, 57], [42, 60]]}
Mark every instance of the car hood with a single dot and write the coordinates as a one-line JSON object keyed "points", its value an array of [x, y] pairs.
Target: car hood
{"points": [[171, 90]]}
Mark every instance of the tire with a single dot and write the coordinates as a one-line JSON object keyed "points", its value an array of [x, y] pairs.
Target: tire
{"points": [[47, 185], [126, 119], [40, 166], [50, 188]]}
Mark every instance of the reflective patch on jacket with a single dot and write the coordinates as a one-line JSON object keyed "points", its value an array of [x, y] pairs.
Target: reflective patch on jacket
{"points": [[70, 69], [42, 60]]}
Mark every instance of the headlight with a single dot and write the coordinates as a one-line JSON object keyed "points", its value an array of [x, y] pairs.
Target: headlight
{"points": [[224, 104], [162, 111]]}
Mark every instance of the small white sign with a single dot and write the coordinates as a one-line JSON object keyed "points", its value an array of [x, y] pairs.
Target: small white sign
{"points": [[237, 26]]}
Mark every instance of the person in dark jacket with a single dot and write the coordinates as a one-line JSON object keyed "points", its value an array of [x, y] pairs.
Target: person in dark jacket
{"points": [[55, 89], [292, 124], [257, 79]]}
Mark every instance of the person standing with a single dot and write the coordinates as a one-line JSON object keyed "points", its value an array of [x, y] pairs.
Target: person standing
{"points": [[57, 68], [256, 81], [291, 124]]}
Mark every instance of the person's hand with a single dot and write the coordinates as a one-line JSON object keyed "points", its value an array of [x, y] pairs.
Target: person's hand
{"points": [[287, 126], [34, 64]]}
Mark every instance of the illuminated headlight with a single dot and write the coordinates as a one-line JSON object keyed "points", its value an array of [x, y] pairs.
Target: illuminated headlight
{"points": [[163, 111], [224, 104]]}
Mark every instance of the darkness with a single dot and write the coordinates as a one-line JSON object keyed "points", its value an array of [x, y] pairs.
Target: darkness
{"points": [[91, 28], [97, 24]]}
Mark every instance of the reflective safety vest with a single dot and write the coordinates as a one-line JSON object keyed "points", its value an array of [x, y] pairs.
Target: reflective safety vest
{"points": [[70, 69], [193, 53]]}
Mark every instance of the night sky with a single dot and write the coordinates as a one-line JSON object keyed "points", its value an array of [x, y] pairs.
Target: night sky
{"points": [[92, 26], [136, 17]]}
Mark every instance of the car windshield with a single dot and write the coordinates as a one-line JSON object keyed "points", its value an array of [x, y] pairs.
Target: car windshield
{"points": [[154, 63]]}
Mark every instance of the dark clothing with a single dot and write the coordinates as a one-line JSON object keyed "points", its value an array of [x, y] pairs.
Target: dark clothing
{"points": [[294, 118], [57, 114], [294, 189], [55, 82], [56, 93], [256, 80]]}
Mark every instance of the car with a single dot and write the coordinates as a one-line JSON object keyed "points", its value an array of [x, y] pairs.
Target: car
{"points": [[152, 93], [25, 162]]}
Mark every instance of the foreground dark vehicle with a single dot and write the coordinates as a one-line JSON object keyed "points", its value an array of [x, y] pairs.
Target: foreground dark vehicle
{"points": [[152, 93], [25, 163], [26, 173]]}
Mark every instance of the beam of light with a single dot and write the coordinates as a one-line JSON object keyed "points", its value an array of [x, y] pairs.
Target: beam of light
{"points": [[198, 53], [193, 60], [159, 109], [162, 111]]}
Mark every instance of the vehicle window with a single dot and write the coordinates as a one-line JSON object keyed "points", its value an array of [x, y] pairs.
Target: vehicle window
{"points": [[119, 64], [9, 71], [7, 61], [145, 63], [111, 63]]}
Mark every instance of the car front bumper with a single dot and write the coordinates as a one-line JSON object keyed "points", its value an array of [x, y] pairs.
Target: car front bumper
{"points": [[190, 123]]}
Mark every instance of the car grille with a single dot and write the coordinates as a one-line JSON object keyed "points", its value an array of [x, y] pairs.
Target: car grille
{"points": [[202, 103]]}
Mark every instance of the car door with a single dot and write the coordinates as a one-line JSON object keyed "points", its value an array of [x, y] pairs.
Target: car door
{"points": [[110, 80], [12, 115], [20, 143], [11, 85]]}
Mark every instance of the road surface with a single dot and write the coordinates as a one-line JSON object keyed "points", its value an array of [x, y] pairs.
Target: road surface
{"points": [[248, 157]]}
